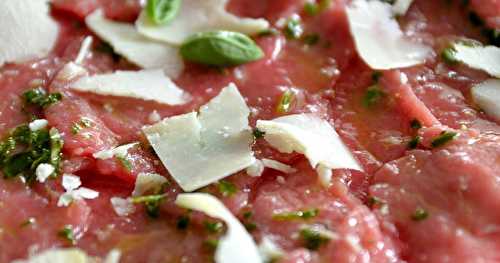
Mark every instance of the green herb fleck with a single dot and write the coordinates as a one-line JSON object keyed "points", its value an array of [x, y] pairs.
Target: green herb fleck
{"points": [[448, 55], [247, 214], [415, 124], [443, 138], [183, 222], [227, 188], [293, 28], [81, 124], [151, 202], [220, 48], [162, 12], [67, 234], [311, 8], [211, 243], [286, 102], [213, 227], [24, 150], [414, 142], [306, 214], [372, 96], [376, 75], [28, 222], [419, 214], [311, 39], [257, 134], [40, 97], [268, 32], [374, 201], [313, 239], [125, 162]]}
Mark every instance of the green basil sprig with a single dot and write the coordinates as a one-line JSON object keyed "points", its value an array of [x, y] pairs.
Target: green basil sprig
{"points": [[220, 48], [162, 11]]}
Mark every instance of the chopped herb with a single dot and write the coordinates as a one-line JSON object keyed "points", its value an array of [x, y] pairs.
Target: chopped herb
{"points": [[372, 96], [311, 39], [419, 214], [311, 8], [286, 101], [268, 32], [162, 12], [443, 138], [211, 243], [125, 162], [183, 222], [415, 124], [374, 201], [35, 147], [67, 234], [307, 214], [247, 214], [324, 4], [448, 55], [81, 124], [151, 202], [313, 238], [257, 134], [227, 188], [293, 28], [376, 75], [40, 97], [28, 222], [213, 227], [250, 226], [414, 142]]}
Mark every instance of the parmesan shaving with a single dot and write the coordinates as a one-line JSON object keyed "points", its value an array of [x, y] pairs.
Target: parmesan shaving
{"points": [[28, 32], [198, 16], [237, 245], [309, 135], [150, 85], [400, 7], [139, 50], [487, 96], [379, 39], [120, 151], [478, 57], [148, 182], [199, 149]]}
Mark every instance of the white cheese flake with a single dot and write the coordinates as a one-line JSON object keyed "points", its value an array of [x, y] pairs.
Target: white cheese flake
{"points": [[256, 169], [120, 151], [43, 171], [148, 182], [269, 250], [486, 58], [487, 96], [122, 206], [149, 85], [37, 125], [138, 49], [198, 16], [28, 31], [379, 39], [200, 149], [237, 245], [400, 7], [71, 184], [66, 255], [278, 166], [309, 135], [84, 50], [70, 72]]}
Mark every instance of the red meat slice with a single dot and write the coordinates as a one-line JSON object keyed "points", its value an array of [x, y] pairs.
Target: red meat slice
{"points": [[358, 235], [125, 10], [458, 187]]}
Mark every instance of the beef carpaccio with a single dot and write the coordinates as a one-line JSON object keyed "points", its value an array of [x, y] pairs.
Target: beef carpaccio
{"points": [[249, 131]]}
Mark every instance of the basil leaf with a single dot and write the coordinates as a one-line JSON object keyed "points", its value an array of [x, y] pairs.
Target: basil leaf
{"points": [[220, 48], [162, 12]]}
